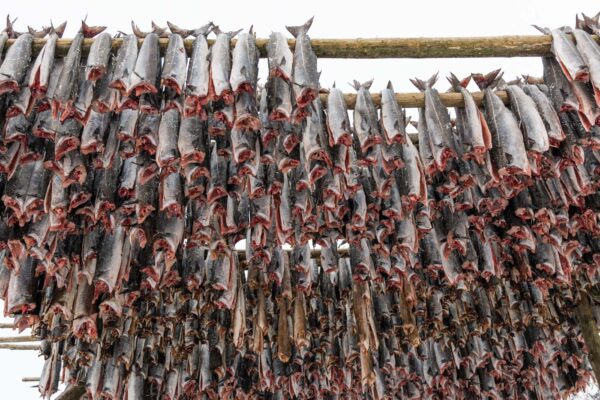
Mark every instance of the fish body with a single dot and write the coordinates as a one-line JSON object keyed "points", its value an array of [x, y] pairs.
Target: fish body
{"points": [[305, 78], [15, 64]]}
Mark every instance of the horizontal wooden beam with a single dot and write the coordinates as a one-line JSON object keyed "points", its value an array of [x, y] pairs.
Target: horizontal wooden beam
{"points": [[7, 326], [417, 99], [18, 339], [451, 47], [27, 347], [30, 379]]}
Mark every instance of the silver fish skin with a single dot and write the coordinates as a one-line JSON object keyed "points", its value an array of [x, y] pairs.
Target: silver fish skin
{"points": [[144, 76], [392, 118], [244, 68], [128, 178], [338, 123], [509, 152], [167, 154], [560, 90], [174, 68], [93, 132], [280, 57], [534, 130], [366, 124], [109, 261], [68, 78], [568, 57], [125, 62], [42, 68], [14, 66], [97, 59], [590, 53], [279, 99], [305, 77], [438, 123], [220, 66], [548, 114], [3, 40], [474, 134], [21, 288], [198, 79], [192, 141], [425, 151]]}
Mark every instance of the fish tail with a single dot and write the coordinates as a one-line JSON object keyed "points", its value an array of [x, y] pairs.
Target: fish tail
{"points": [[390, 86], [545, 31], [357, 85], [489, 80], [204, 30], [59, 30], [179, 31], [301, 29], [456, 83], [137, 31], [90, 31]]}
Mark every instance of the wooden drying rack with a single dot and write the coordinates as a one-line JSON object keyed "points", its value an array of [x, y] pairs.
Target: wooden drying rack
{"points": [[457, 47]]}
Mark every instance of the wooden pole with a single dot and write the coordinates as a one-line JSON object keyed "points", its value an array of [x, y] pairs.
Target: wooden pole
{"points": [[590, 332], [7, 326], [27, 347], [416, 100], [30, 379], [452, 47], [18, 339]]}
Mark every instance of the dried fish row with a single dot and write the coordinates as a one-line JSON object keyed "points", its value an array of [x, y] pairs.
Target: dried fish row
{"points": [[126, 190]]}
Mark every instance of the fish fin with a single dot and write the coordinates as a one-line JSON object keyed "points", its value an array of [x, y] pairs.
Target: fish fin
{"points": [[10, 27], [59, 30], [355, 84], [204, 30], [251, 30], [217, 30], [456, 83], [592, 23], [545, 31], [157, 29], [90, 31], [233, 34], [490, 80], [301, 29], [179, 31], [137, 31], [38, 34], [419, 84], [333, 86], [390, 86]]}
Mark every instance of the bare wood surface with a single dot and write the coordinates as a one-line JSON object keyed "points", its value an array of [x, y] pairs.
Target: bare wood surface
{"points": [[428, 47], [17, 339], [416, 99], [30, 379], [27, 347], [590, 332], [7, 326]]}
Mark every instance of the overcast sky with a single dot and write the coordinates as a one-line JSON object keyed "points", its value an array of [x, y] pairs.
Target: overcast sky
{"points": [[350, 19]]}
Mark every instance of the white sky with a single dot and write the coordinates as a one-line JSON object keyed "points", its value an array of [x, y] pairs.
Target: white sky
{"points": [[364, 19]]}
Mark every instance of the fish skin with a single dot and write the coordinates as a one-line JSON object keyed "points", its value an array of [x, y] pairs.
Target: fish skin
{"points": [[167, 153], [21, 288], [338, 123], [535, 135], [548, 114], [392, 117], [568, 57], [197, 85], [560, 90], [366, 125], [174, 68], [589, 112], [220, 67], [244, 67], [109, 261], [305, 78], [125, 62], [144, 76], [590, 53], [280, 57], [98, 57], [106, 99], [92, 137], [438, 123], [279, 100], [128, 121], [15, 64], [246, 113], [192, 141], [42, 68]]}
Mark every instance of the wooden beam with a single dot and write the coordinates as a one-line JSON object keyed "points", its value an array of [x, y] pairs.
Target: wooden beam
{"points": [[590, 332], [18, 339], [416, 99], [27, 347], [451, 47], [7, 326], [30, 379]]}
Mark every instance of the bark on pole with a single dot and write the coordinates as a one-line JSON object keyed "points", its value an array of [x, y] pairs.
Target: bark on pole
{"points": [[590, 332], [457, 47]]}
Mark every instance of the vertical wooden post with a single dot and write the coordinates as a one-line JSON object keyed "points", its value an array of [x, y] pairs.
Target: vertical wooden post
{"points": [[590, 332]]}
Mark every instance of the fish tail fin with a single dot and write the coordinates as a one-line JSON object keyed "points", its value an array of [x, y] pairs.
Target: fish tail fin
{"points": [[90, 31], [10, 26], [424, 85], [357, 85], [59, 30], [179, 31], [301, 29], [545, 31], [390, 86], [456, 83], [592, 23], [233, 34], [157, 29], [489, 80], [204, 30], [137, 31]]}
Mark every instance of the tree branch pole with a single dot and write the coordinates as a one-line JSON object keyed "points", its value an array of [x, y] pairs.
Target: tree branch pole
{"points": [[7, 326], [18, 339], [429, 47], [27, 347], [590, 332], [30, 379]]}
